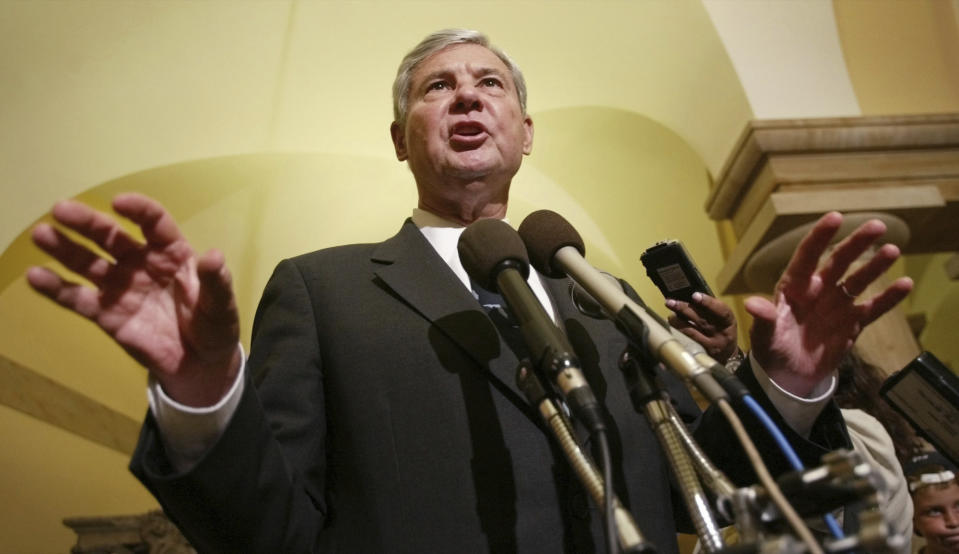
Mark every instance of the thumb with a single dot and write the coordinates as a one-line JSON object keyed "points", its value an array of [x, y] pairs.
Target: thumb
{"points": [[764, 321], [760, 308]]}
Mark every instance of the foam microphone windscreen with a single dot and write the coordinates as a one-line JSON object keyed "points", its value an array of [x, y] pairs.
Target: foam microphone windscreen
{"points": [[487, 246], [544, 232]]}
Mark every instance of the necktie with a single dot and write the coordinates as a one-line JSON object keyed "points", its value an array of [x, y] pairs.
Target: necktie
{"points": [[498, 311]]}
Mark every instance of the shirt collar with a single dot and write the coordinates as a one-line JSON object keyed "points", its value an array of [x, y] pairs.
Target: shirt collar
{"points": [[444, 236]]}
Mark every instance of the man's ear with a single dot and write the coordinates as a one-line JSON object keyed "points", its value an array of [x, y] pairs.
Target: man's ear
{"points": [[528, 141], [399, 141]]}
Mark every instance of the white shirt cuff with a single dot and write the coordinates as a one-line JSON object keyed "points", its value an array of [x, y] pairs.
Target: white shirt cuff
{"points": [[187, 432], [799, 412]]}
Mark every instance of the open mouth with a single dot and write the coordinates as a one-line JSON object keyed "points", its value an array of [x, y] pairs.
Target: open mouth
{"points": [[468, 132]]}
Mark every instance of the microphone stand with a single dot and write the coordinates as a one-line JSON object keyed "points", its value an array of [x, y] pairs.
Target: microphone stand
{"points": [[649, 398], [630, 538], [713, 477]]}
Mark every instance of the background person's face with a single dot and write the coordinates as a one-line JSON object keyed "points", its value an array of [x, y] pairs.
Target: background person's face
{"points": [[937, 517]]}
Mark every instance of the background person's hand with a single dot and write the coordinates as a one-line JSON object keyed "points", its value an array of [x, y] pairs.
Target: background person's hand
{"points": [[708, 321]]}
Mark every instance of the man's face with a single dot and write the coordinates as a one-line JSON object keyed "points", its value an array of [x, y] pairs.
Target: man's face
{"points": [[464, 124], [937, 517]]}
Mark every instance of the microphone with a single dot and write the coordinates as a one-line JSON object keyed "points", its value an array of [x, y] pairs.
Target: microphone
{"points": [[589, 306], [495, 258], [557, 250]]}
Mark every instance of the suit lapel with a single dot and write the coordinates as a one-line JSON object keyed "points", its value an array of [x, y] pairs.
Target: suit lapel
{"points": [[409, 266], [583, 333]]}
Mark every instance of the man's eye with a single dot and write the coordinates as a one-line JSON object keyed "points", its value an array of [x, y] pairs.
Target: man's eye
{"points": [[438, 85], [491, 82]]}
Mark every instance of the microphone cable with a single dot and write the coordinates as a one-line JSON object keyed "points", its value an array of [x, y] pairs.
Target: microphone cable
{"points": [[557, 249], [790, 454]]}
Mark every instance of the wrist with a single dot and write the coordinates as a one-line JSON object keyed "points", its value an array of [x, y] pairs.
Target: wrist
{"points": [[206, 385], [784, 375], [795, 383]]}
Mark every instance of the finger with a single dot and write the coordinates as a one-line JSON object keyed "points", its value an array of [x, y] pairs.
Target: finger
{"points": [[675, 305], [158, 226], [80, 299], [73, 256], [805, 259], [713, 310], [216, 300], [886, 300], [858, 280], [686, 312], [96, 226], [764, 322], [847, 251], [688, 329], [677, 322], [697, 336], [760, 308]]}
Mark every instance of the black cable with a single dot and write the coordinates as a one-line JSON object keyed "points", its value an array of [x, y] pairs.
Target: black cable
{"points": [[612, 540]]}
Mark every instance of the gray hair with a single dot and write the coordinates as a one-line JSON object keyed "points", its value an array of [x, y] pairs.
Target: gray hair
{"points": [[434, 43]]}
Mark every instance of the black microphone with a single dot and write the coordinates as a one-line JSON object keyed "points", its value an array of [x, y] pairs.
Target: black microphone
{"points": [[557, 250], [495, 258]]}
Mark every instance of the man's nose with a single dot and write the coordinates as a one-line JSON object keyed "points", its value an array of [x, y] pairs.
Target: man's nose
{"points": [[467, 99]]}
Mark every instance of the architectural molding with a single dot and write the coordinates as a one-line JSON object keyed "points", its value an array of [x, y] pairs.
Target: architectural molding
{"points": [[37, 395], [786, 173], [151, 533]]}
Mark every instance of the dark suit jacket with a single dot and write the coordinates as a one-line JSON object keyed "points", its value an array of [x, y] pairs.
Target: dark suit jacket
{"points": [[385, 418]]}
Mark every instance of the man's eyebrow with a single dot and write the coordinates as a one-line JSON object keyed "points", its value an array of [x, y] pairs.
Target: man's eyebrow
{"points": [[490, 70], [439, 73], [444, 73]]}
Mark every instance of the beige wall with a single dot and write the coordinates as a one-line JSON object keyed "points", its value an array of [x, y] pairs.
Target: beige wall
{"points": [[263, 126], [903, 57], [788, 57]]}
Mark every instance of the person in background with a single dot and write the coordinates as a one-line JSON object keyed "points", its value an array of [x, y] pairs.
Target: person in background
{"points": [[935, 496], [858, 388]]}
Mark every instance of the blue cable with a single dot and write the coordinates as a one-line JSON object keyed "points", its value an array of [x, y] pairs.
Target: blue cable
{"points": [[790, 454]]}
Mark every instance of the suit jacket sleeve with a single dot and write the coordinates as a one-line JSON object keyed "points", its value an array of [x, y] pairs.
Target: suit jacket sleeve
{"points": [[261, 487], [715, 436]]}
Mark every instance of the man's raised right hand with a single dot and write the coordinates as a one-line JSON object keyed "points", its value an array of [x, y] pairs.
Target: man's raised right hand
{"points": [[172, 310]]}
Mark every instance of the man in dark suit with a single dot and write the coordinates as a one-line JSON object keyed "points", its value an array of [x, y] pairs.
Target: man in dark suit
{"points": [[377, 410]]}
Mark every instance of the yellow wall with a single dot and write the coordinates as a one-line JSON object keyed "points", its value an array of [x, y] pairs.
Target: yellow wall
{"points": [[788, 57], [263, 126], [903, 57]]}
